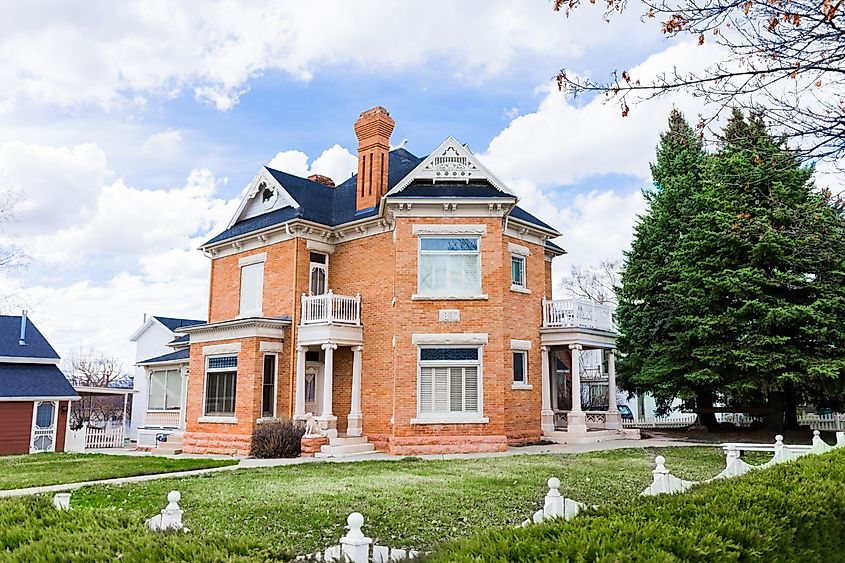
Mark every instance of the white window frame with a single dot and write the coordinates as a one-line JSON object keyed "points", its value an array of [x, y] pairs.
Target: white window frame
{"points": [[521, 253], [451, 417], [166, 371], [252, 261], [229, 419], [317, 266], [521, 347], [275, 385], [446, 294]]}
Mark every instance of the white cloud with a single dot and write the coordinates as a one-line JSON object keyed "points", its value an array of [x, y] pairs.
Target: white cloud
{"points": [[110, 54], [335, 162], [162, 142]]}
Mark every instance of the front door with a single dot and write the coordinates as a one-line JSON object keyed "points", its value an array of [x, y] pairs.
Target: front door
{"points": [[314, 388], [44, 427]]}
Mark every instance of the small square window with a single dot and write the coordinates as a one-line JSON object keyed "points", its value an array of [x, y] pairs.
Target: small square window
{"points": [[518, 271], [520, 367]]}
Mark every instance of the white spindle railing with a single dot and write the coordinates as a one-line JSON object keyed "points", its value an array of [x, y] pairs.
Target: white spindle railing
{"points": [[331, 308], [577, 313], [833, 422], [163, 419]]}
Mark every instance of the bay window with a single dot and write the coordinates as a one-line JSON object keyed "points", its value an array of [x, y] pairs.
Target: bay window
{"points": [[449, 266]]}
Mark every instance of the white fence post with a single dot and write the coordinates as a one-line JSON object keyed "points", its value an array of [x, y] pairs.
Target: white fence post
{"points": [[61, 501], [819, 445], [170, 517], [355, 546], [665, 482]]}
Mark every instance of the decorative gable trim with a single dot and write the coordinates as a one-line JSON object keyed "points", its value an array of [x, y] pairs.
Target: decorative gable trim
{"points": [[452, 162], [261, 181]]}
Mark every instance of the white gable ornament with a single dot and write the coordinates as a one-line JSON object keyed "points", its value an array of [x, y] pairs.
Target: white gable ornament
{"points": [[451, 162], [265, 194]]}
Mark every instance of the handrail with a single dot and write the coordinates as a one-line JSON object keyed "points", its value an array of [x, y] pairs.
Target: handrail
{"points": [[330, 308]]}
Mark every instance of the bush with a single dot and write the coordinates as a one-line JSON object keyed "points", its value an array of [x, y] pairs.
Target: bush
{"points": [[791, 512], [280, 438]]}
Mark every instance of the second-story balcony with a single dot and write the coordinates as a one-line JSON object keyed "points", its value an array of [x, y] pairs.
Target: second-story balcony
{"points": [[577, 313], [331, 308]]}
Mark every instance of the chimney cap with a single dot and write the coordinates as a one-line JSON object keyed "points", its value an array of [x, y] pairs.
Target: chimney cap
{"points": [[374, 111], [320, 179]]}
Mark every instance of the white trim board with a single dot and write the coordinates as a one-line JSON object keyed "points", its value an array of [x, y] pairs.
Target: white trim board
{"points": [[446, 338]]}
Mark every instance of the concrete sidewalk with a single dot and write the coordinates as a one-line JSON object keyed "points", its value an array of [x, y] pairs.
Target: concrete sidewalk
{"points": [[250, 463]]}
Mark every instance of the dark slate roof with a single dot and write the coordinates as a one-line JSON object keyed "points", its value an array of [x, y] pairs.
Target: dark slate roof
{"points": [[173, 323], [451, 189], [36, 345], [320, 203], [34, 380], [521, 214], [184, 339], [182, 354], [553, 246]]}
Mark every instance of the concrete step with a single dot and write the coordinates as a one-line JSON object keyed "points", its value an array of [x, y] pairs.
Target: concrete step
{"points": [[171, 450], [345, 451], [347, 440]]}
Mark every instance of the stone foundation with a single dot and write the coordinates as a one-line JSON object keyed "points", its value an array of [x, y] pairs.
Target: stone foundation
{"points": [[310, 446], [524, 438], [380, 442], [422, 445], [208, 443]]}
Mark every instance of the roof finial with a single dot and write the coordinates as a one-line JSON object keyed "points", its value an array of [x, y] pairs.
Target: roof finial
{"points": [[22, 341]]}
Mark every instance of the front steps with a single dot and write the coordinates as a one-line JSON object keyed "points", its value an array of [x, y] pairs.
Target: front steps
{"points": [[172, 446], [592, 436], [345, 446]]}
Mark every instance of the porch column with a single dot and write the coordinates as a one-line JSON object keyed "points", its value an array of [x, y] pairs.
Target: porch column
{"points": [[547, 415], [327, 420], [576, 420], [299, 389], [613, 421], [354, 419]]}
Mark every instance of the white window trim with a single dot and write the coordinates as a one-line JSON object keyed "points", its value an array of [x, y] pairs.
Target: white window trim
{"points": [[524, 383], [450, 338], [456, 417], [524, 259], [518, 249], [448, 296], [522, 346], [252, 259], [425, 229], [218, 418], [221, 349], [247, 314], [324, 267], [150, 388], [275, 385]]}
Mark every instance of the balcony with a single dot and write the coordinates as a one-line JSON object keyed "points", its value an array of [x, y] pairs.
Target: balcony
{"points": [[577, 314], [330, 308], [330, 318]]}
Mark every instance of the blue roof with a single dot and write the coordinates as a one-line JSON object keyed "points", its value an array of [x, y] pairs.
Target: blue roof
{"points": [[320, 203], [33, 381], [36, 345], [451, 189], [553, 246], [174, 323], [184, 339], [182, 354], [521, 214]]}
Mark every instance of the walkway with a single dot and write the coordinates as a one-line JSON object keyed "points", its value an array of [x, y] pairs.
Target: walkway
{"points": [[250, 463]]}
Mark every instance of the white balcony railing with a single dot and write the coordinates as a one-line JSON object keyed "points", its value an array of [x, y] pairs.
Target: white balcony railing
{"points": [[163, 419], [577, 313], [330, 308]]}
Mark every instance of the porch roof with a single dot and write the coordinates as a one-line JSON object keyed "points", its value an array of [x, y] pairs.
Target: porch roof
{"points": [[179, 356]]}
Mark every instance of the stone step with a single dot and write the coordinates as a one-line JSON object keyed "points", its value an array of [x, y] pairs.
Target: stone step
{"points": [[347, 440], [169, 450], [351, 449]]}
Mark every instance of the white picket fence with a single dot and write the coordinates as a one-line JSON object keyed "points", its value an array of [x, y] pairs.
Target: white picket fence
{"points": [[834, 422], [674, 421], [108, 437], [355, 547]]}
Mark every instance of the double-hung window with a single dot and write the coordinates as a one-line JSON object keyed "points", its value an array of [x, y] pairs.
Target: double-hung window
{"points": [[518, 271], [221, 381], [449, 384], [449, 266], [268, 387], [520, 367], [165, 390]]}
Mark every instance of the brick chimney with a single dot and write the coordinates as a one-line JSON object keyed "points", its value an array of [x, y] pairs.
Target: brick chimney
{"points": [[320, 179], [373, 130]]}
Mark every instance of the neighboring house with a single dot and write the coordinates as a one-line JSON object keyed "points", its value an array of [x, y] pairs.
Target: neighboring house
{"points": [[161, 366], [34, 393], [406, 308]]}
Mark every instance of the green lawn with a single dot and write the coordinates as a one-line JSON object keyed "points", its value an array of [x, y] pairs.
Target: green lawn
{"points": [[261, 513], [21, 471]]}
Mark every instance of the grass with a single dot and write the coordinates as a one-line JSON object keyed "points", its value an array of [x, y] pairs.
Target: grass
{"points": [[35, 470], [261, 513]]}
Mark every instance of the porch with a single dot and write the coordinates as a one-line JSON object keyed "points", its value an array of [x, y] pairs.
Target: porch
{"points": [[579, 395]]}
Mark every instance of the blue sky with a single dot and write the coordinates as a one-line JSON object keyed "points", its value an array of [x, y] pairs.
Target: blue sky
{"points": [[127, 131]]}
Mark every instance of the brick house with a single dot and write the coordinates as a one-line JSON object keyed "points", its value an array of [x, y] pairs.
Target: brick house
{"points": [[405, 308]]}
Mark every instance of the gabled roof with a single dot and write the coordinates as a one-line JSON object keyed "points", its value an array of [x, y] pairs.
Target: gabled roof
{"points": [[34, 381], [173, 357], [170, 323], [423, 188], [317, 202], [36, 345]]}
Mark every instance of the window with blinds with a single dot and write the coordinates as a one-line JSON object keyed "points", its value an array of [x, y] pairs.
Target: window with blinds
{"points": [[449, 266], [449, 381], [221, 380]]}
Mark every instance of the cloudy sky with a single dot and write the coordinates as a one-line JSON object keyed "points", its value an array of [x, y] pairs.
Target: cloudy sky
{"points": [[128, 131]]}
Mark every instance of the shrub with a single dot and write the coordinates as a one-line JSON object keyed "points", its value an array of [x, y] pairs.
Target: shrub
{"points": [[791, 512], [279, 438]]}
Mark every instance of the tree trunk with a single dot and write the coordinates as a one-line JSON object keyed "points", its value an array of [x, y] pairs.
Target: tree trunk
{"points": [[777, 404], [790, 406], [704, 400]]}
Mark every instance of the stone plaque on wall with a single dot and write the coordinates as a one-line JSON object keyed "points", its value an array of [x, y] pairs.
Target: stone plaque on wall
{"points": [[450, 315]]}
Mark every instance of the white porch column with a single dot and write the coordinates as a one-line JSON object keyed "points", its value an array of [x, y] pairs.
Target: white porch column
{"points": [[354, 419], [547, 415], [327, 420], [613, 421], [299, 389], [576, 420]]}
